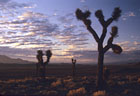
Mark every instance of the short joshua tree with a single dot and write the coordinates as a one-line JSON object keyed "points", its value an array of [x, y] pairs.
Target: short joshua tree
{"points": [[39, 57], [43, 68], [73, 66], [48, 55], [84, 16]]}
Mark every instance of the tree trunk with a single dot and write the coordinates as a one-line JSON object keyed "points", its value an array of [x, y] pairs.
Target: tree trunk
{"points": [[73, 70], [100, 82]]}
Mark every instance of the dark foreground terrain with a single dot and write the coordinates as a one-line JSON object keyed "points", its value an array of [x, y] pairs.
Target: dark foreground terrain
{"points": [[18, 80]]}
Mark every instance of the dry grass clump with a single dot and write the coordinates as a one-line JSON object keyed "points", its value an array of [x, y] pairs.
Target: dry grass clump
{"points": [[127, 91], [69, 83], [100, 93], [57, 83], [67, 80], [84, 78], [51, 93], [138, 80], [77, 92], [121, 82]]}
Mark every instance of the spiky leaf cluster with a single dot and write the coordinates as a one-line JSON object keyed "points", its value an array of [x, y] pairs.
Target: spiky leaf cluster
{"points": [[99, 14], [87, 22], [116, 49], [82, 15], [40, 52], [117, 13], [114, 32], [79, 14], [48, 53], [87, 14]]}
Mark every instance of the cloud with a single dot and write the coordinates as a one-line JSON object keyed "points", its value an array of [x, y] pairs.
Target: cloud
{"points": [[128, 15], [69, 34], [27, 27], [18, 53], [129, 46], [4, 1], [82, 1], [131, 14], [136, 43], [83, 56], [67, 18], [124, 43], [9, 4], [29, 31], [126, 56], [29, 15], [32, 31], [90, 56]]}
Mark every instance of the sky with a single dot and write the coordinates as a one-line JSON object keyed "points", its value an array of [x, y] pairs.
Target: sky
{"points": [[30, 25]]}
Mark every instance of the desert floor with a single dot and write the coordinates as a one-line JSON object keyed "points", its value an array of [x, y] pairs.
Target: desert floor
{"points": [[20, 79]]}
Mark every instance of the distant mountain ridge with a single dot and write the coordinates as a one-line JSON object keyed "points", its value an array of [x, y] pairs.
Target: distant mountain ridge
{"points": [[7, 60]]}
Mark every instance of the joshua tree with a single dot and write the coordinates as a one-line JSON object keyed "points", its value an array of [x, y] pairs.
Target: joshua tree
{"points": [[73, 66], [102, 49], [39, 57], [48, 54]]}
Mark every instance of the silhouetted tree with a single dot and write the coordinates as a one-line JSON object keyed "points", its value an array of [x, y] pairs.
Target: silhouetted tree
{"points": [[39, 57], [73, 66], [101, 49], [43, 68], [48, 55]]}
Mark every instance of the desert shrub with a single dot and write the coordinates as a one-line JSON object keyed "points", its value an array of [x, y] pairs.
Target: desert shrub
{"points": [[49, 93], [138, 80], [52, 93], [121, 82], [77, 92], [22, 86], [70, 85], [127, 91], [100, 93], [57, 83], [112, 83], [67, 80], [84, 78]]}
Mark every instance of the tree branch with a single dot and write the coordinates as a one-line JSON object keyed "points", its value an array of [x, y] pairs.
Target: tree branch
{"points": [[100, 16], [92, 31], [102, 22], [109, 21], [106, 48], [105, 24], [103, 34], [109, 44]]}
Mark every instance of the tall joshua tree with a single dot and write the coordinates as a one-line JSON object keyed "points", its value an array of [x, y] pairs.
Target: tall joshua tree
{"points": [[84, 16]]}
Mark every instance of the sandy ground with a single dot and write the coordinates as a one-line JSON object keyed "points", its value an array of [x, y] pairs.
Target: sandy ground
{"points": [[18, 80]]}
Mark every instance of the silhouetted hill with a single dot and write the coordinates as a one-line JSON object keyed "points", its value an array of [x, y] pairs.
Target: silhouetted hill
{"points": [[7, 60]]}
